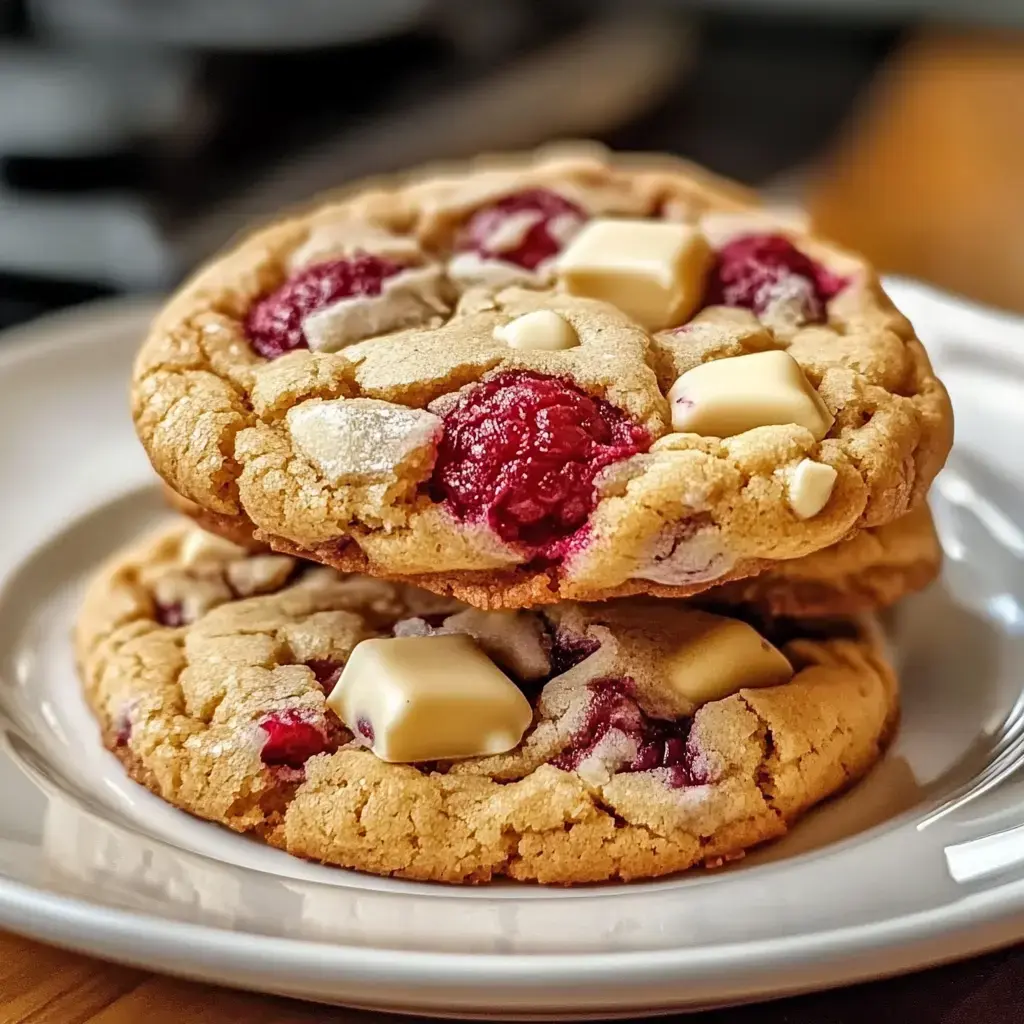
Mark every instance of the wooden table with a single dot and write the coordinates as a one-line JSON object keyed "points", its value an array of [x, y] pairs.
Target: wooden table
{"points": [[40, 985]]}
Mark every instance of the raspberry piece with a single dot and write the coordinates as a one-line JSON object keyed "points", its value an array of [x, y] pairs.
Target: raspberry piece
{"points": [[293, 737], [521, 451], [171, 615], [274, 323], [327, 673], [123, 731], [758, 271], [613, 708], [569, 649], [526, 228]]}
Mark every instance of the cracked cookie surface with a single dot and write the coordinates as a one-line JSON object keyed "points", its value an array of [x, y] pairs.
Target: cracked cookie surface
{"points": [[208, 669], [369, 386]]}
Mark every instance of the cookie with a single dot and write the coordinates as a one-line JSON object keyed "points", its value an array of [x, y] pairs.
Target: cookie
{"points": [[624, 740], [869, 571], [509, 384]]}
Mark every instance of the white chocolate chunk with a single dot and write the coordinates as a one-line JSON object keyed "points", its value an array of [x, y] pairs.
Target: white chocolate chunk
{"points": [[414, 627], [543, 330], [470, 268], [511, 232], [408, 298], [684, 561], [714, 656], [361, 439], [201, 550], [195, 597], [564, 227], [347, 235], [729, 396], [809, 487], [429, 698], [652, 270], [259, 574], [515, 640]]}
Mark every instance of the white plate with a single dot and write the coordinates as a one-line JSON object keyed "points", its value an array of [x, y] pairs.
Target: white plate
{"points": [[922, 862]]}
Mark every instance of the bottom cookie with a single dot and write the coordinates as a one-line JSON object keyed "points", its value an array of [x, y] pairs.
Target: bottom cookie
{"points": [[213, 673]]}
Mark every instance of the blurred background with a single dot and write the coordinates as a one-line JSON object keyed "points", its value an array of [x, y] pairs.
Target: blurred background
{"points": [[137, 136]]}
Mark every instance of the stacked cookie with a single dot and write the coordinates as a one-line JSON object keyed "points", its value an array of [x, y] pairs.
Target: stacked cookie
{"points": [[541, 509]]}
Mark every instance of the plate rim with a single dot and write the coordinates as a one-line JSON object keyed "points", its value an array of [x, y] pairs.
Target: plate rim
{"points": [[850, 952]]}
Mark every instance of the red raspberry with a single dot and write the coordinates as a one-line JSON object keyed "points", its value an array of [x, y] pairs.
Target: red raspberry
{"points": [[123, 729], [171, 615], [613, 707], [327, 672], [293, 737], [521, 451], [539, 242], [569, 649], [274, 323], [757, 271]]}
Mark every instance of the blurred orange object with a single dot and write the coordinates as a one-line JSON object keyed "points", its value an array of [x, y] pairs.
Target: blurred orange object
{"points": [[927, 180]]}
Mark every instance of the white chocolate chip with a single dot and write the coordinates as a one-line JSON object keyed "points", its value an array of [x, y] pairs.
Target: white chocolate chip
{"points": [[714, 656], [408, 298], [200, 550], [652, 270], [259, 574], [361, 439], [429, 698], [726, 397], [543, 330], [809, 487]]}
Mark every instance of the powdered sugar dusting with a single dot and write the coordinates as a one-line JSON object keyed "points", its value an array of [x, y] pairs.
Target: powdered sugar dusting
{"points": [[361, 439]]}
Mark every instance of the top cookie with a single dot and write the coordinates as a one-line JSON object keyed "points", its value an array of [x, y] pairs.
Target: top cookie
{"points": [[508, 383]]}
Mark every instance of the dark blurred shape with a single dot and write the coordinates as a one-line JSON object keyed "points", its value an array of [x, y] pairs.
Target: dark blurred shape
{"points": [[124, 169], [24, 298], [225, 24], [766, 93], [136, 138]]}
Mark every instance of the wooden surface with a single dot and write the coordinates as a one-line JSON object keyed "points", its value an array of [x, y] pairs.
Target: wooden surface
{"points": [[927, 179], [40, 985]]}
